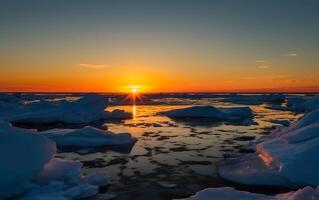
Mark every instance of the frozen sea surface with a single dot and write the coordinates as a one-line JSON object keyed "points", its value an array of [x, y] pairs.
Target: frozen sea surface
{"points": [[176, 158]]}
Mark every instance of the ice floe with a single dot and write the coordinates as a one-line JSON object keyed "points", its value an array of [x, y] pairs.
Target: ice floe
{"points": [[87, 137], [87, 109], [29, 169], [287, 157], [229, 193], [234, 113]]}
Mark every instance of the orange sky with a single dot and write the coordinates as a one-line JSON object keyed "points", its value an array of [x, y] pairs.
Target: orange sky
{"points": [[166, 46]]}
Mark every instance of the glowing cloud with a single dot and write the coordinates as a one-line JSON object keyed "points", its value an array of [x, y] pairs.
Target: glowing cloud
{"points": [[292, 54], [93, 66]]}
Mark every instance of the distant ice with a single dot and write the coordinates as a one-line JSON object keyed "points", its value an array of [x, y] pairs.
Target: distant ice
{"points": [[298, 104], [273, 98], [254, 99], [87, 109]]}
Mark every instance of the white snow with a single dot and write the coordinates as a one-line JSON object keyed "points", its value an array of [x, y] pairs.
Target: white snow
{"points": [[287, 157], [29, 168], [229, 193], [210, 112], [87, 137], [87, 109], [23, 154]]}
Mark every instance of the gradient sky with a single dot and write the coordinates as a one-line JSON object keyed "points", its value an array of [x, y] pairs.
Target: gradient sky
{"points": [[173, 45]]}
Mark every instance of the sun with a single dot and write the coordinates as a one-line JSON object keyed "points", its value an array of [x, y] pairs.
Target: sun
{"points": [[134, 89]]}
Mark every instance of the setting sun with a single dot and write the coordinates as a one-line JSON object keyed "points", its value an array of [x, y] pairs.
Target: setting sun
{"points": [[134, 90]]}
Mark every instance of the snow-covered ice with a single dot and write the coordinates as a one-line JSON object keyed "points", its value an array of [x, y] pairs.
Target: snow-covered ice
{"points": [[23, 154], [29, 168], [298, 104], [87, 109], [287, 157], [228, 193], [234, 113], [87, 137]]}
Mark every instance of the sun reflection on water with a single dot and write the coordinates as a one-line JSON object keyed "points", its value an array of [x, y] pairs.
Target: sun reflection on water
{"points": [[134, 111]]}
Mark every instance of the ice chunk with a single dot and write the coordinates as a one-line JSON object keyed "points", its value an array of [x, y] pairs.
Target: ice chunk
{"points": [[23, 154], [243, 99], [98, 179], [228, 193], [61, 191], [237, 113], [287, 158], [67, 171], [210, 112], [195, 111], [30, 169], [273, 98], [87, 137]]}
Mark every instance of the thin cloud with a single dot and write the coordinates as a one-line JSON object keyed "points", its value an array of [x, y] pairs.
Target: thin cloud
{"points": [[93, 66], [261, 61], [275, 77], [264, 67], [292, 54]]}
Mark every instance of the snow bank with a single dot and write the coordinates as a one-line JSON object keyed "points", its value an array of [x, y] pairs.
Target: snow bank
{"points": [[87, 109], [29, 168], [287, 157], [228, 193], [87, 137], [210, 112]]}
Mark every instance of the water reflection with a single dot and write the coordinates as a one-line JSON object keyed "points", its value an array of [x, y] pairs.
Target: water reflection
{"points": [[181, 154], [134, 111]]}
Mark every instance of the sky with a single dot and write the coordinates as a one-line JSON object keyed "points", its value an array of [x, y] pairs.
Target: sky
{"points": [[159, 46]]}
